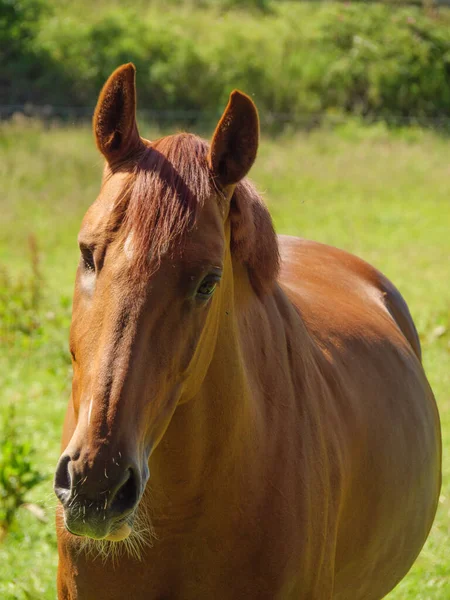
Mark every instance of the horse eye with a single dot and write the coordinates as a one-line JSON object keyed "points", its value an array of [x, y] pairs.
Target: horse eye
{"points": [[88, 259], [207, 287]]}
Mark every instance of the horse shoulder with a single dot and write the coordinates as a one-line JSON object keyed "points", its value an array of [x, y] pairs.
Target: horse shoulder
{"points": [[339, 293]]}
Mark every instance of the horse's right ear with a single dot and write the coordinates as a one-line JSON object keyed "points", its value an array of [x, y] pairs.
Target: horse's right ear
{"points": [[235, 140], [115, 128]]}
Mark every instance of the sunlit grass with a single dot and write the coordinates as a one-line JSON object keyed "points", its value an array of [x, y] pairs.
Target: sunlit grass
{"points": [[382, 195]]}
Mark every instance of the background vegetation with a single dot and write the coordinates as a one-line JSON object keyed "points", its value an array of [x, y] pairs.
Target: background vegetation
{"points": [[292, 57], [380, 192]]}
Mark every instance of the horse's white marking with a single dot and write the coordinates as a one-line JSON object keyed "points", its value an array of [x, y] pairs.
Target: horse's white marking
{"points": [[88, 282], [90, 411], [128, 246]]}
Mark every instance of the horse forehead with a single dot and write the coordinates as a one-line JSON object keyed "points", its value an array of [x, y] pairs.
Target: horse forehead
{"points": [[128, 247], [206, 236], [97, 214]]}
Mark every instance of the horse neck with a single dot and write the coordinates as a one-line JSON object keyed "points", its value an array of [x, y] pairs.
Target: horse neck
{"points": [[217, 428], [216, 439]]}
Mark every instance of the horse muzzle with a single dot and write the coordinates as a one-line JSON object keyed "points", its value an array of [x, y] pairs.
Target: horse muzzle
{"points": [[98, 503]]}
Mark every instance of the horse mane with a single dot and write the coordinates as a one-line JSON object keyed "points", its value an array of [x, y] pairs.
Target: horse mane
{"points": [[253, 238], [167, 188]]}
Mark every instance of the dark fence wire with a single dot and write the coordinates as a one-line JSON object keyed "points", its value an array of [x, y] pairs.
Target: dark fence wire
{"points": [[83, 114]]}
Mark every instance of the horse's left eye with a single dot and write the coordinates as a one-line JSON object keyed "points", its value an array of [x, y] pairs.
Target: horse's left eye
{"points": [[207, 287]]}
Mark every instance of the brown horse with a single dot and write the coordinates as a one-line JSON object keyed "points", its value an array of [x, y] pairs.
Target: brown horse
{"points": [[240, 426]]}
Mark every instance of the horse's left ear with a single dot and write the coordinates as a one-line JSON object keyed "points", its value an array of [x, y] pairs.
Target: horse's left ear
{"points": [[115, 128], [235, 141]]}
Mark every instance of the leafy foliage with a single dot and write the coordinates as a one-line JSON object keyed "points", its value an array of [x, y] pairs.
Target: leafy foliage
{"points": [[18, 474], [22, 59], [294, 58], [19, 21]]}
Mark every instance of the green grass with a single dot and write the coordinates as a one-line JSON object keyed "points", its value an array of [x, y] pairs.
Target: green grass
{"points": [[382, 195]]}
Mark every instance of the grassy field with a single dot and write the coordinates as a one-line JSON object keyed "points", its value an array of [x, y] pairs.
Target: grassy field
{"points": [[382, 195]]}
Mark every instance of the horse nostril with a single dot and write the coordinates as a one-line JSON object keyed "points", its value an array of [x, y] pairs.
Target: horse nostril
{"points": [[127, 495], [62, 483]]}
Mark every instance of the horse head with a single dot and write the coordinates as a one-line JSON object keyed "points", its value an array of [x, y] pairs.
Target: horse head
{"points": [[154, 280]]}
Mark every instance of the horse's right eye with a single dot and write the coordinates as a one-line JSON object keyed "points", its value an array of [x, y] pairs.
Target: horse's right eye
{"points": [[88, 259]]}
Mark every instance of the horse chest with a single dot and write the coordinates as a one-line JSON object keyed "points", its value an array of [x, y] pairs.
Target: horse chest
{"points": [[262, 559]]}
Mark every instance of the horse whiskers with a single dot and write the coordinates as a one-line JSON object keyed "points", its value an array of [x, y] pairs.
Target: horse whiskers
{"points": [[141, 537], [73, 499], [48, 504]]}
